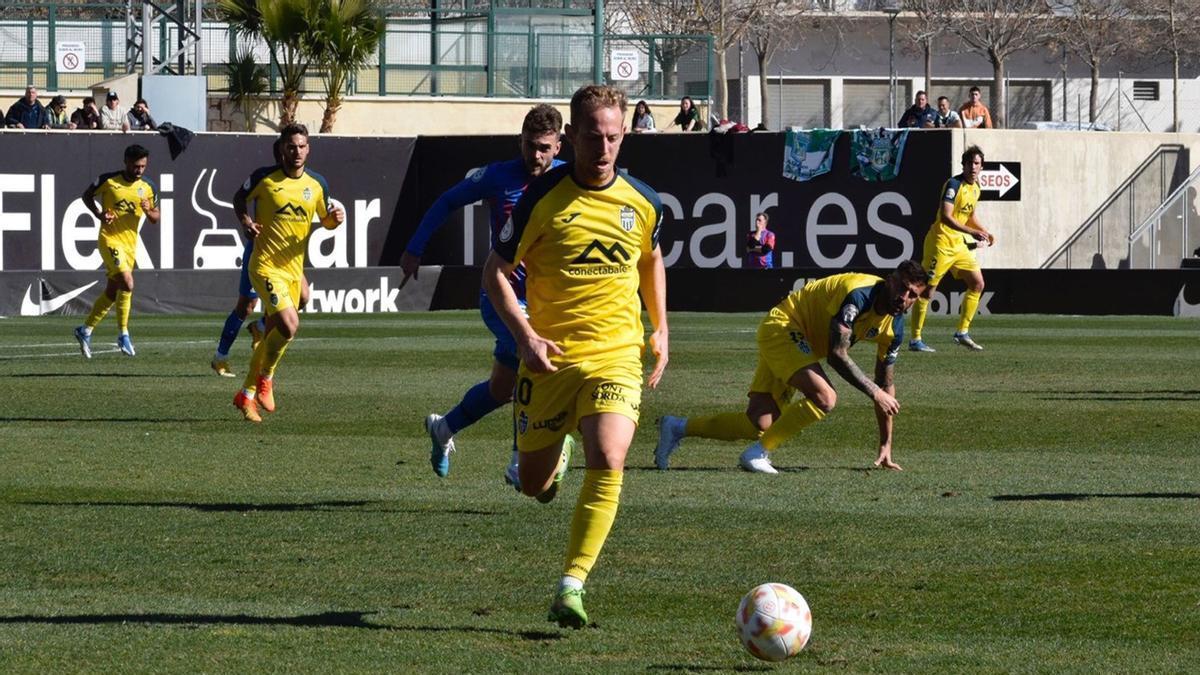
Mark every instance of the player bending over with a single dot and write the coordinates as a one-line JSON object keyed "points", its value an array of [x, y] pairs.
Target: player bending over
{"points": [[820, 321]]}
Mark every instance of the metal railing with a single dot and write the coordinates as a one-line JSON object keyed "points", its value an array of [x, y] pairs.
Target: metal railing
{"points": [[1168, 234], [1103, 240]]}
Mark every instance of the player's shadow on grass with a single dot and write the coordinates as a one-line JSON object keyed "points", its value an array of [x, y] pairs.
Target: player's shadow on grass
{"points": [[1110, 394], [1081, 496], [286, 507], [112, 420], [692, 668], [711, 469], [155, 376], [322, 620]]}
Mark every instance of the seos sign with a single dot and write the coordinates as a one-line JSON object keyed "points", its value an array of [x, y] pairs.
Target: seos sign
{"points": [[1000, 182]]}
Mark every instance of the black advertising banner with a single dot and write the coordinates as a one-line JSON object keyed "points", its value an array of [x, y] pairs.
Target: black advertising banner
{"points": [[44, 225], [711, 187]]}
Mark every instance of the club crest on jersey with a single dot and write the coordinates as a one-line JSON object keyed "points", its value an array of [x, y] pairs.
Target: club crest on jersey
{"points": [[476, 174], [627, 218], [307, 194], [140, 192], [506, 232]]}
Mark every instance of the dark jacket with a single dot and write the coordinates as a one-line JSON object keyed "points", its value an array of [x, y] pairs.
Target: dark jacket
{"points": [[915, 117], [85, 119], [140, 123], [28, 116]]}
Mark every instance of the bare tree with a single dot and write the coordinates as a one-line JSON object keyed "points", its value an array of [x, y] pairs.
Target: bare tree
{"points": [[659, 17], [1092, 30], [1174, 31], [727, 21], [995, 30], [765, 37], [925, 21]]}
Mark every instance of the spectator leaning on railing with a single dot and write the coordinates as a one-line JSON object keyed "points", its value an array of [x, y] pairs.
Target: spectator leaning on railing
{"points": [[139, 117], [87, 116], [918, 114], [974, 113], [27, 112], [56, 114], [112, 115]]}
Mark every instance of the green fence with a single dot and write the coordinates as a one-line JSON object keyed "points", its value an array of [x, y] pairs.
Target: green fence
{"points": [[417, 56]]}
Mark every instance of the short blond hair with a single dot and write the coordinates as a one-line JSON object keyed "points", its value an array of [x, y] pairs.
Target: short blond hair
{"points": [[595, 96]]}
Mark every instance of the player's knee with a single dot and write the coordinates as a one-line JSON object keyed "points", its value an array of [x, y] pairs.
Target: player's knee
{"points": [[825, 400], [501, 388]]}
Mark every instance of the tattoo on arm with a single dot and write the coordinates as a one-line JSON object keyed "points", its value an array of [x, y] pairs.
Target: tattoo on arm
{"points": [[839, 359]]}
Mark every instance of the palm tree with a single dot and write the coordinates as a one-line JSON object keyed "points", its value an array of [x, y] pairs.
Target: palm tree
{"points": [[285, 26], [247, 83], [344, 38]]}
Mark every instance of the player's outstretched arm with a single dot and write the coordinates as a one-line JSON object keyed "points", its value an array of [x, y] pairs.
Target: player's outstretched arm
{"points": [[534, 350], [652, 282], [883, 378], [839, 359], [464, 193]]}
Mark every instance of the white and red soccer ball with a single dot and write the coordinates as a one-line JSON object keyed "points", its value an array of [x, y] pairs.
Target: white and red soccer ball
{"points": [[773, 622]]}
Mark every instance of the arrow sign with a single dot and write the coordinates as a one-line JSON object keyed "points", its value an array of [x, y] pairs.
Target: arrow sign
{"points": [[1000, 181]]}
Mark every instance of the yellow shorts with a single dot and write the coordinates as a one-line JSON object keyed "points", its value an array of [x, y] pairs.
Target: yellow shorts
{"points": [[549, 406], [118, 259], [278, 292], [942, 255], [783, 349]]}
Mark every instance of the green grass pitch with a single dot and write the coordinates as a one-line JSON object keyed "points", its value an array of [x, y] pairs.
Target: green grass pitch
{"points": [[1048, 519]]}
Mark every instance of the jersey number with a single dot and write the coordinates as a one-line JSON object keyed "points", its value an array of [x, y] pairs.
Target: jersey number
{"points": [[524, 391]]}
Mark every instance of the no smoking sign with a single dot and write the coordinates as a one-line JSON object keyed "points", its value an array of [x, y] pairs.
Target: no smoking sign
{"points": [[69, 57], [623, 64]]}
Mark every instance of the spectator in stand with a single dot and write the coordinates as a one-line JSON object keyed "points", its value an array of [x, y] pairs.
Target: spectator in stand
{"points": [[688, 118], [87, 116], [918, 114], [974, 113], [643, 121], [56, 114], [27, 112], [112, 115], [943, 117], [759, 245], [139, 117]]}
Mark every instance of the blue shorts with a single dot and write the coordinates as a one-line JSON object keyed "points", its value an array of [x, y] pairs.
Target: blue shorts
{"points": [[505, 351], [245, 289]]}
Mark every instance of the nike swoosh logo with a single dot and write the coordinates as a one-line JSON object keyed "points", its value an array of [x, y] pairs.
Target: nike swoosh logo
{"points": [[1185, 308], [31, 307]]}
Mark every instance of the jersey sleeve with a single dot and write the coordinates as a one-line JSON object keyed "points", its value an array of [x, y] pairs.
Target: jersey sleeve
{"points": [[888, 352], [255, 179], [322, 203], [856, 302], [769, 242], [654, 213], [479, 184], [951, 190]]}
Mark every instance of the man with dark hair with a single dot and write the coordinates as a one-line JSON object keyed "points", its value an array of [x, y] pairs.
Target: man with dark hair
{"points": [[27, 112], [500, 184], [760, 245], [974, 113], [285, 199], [139, 117], [87, 116], [821, 320], [918, 113], [125, 196], [946, 250], [588, 236], [943, 117], [56, 114]]}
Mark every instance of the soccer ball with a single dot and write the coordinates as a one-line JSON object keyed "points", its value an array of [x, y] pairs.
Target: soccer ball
{"points": [[773, 622]]}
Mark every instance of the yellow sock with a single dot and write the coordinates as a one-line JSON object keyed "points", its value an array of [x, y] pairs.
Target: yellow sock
{"points": [[920, 307], [594, 515], [99, 309], [722, 427], [795, 417], [124, 302], [256, 363], [970, 305], [275, 345]]}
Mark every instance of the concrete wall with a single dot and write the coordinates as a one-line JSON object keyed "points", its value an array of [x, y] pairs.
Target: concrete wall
{"points": [[412, 116], [1065, 177]]}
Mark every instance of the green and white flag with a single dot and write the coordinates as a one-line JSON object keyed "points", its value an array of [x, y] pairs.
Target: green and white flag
{"points": [[875, 154], [807, 154]]}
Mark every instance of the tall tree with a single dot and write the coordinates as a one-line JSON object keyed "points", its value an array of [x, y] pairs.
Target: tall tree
{"points": [[1092, 30], [1173, 30], [344, 38], [285, 26], [995, 30], [924, 22], [659, 17], [727, 21]]}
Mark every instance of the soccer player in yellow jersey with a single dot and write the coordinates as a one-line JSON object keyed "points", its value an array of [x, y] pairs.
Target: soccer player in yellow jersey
{"points": [[588, 236], [820, 321], [946, 250], [125, 196], [285, 199]]}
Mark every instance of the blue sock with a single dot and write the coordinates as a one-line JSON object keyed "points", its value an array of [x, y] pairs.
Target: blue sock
{"points": [[233, 324], [476, 403]]}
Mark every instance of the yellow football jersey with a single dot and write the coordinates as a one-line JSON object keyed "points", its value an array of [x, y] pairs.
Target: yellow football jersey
{"points": [[123, 197], [851, 299], [581, 248], [285, 207], [963, 196]]}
